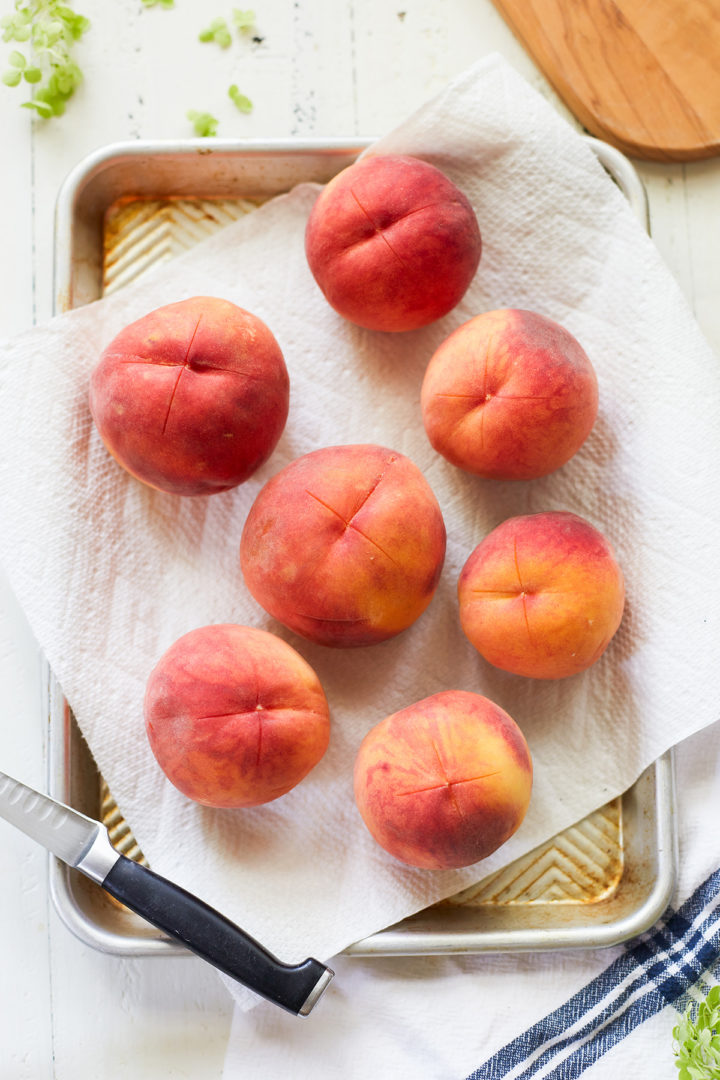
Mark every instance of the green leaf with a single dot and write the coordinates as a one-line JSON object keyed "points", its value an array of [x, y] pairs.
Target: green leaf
{"points": [[204, 123], [244, 104], [40, 107], [17, 60], [244, 20], [79, 26], [32, 75], [218, 31], [12, 77], [65, 81]]}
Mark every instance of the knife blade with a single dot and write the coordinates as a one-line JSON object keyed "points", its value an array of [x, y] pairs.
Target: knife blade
{"points": [[84, 843]]}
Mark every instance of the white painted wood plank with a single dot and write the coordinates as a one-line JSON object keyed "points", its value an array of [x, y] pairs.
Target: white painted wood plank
{"points": [[684, 211], [701, 183], [666, 190], [25, 1018], [25, 1027], [16, 179], [407, 51], [135, 1019]]}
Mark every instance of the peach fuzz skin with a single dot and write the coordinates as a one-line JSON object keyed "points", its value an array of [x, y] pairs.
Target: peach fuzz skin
{"points": [[444, 782], [542, 595], [193, 397], [510, 395], [392, 243], [345, 545], [235, 716]]}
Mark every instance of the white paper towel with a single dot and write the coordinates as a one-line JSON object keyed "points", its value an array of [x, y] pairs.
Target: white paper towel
{"points": [[110, 572]]}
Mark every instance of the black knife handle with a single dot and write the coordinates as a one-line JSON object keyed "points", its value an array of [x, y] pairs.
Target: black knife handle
{"points": [[214, 938]]}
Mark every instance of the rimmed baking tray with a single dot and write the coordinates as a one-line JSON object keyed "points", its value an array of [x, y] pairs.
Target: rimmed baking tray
{"points": [[121, 212]]}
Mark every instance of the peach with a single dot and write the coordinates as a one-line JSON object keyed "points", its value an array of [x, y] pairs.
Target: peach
{"points": [[510, 395], [444, 782], [345, 545], [235, 716], [542, 595], [193, 397], [392, 243]]}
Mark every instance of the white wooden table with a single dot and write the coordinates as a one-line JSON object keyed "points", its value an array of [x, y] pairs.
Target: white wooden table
{"points": [[325, 68]]}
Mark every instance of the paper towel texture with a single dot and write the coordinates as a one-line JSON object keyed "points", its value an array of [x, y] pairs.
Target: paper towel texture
{"points": [[110, 572]]}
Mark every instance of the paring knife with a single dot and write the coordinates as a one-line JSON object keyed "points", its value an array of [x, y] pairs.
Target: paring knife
{"points": [[84, 843]]}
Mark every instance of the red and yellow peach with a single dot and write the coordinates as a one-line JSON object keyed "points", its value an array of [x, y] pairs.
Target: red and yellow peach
{"points": [[445, 781], [509, 395], [345, 545], [392, 243], [235, 716], [542, 595], [193, 397]]}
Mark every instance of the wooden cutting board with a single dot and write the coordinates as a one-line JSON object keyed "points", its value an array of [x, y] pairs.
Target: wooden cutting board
{"points": [[643, 75]]}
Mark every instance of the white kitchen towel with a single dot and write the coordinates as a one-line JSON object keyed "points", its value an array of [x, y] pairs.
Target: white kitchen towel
{"points": [[110, 572], [598, 1014]]}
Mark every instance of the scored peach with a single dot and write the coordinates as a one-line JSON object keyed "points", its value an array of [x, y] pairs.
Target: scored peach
{"points": [[445, 781], [193, 397], [542, 595], [235, 716], [509, 395], [392, 243], [345, 545]]}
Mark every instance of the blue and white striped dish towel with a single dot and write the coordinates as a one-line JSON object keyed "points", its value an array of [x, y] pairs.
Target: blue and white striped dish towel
{"points": [[598, 1014]]}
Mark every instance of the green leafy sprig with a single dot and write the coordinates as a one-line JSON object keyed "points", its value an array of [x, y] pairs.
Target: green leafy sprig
{"points": [[49, 30], [696, 1039], [244, 20], [204, 123], [163, 3], [240, 101], [219, 32]]}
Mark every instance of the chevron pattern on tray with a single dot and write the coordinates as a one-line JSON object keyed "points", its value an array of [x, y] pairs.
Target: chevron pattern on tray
{"points": [[142, 234], [581, 865]]}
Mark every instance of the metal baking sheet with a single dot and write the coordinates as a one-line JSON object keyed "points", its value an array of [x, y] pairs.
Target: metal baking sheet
{"points": [[120, 213]]}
